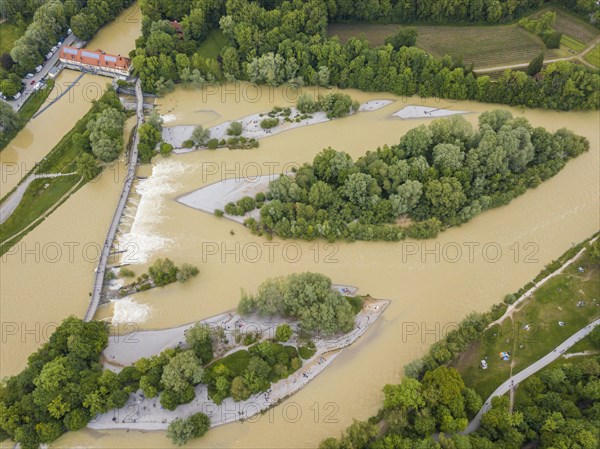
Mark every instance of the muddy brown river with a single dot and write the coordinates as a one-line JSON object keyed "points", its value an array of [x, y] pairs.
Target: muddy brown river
{"points": [[432, 284]]}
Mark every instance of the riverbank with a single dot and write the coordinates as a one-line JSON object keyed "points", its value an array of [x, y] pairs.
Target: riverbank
{"points": [[178, 135], [141, 413]]}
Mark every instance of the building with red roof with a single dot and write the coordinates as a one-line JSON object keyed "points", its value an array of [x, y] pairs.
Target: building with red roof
{"points": [[98, 62]]}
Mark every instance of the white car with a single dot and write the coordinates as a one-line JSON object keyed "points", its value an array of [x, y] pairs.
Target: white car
{"points": [[29, 76], [53, 49], [59, 44], [69, 31], [38, 69], [49, 55], [17, 96], [38, 85]]}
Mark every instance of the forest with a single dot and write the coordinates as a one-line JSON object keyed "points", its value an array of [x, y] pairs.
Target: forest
{"points": [[288, 44], [437, 176]]}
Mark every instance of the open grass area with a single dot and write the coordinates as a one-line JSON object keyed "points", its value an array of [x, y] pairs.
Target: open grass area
{"points": [[9, 33], [212, 45], [40, 196], [593, 56], [571, 25], [485, 46], [572, 44], [572, 297]]}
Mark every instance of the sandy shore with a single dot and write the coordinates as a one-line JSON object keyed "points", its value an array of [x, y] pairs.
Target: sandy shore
{"points": [[217, 195], [410, 112], [141, 413], [176, 135]]}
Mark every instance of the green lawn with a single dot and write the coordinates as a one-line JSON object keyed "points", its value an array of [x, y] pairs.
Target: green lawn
{"points": [[573, 44], [9, 33], [212, 45], [485, 46], [593, 56], [555, 301]]}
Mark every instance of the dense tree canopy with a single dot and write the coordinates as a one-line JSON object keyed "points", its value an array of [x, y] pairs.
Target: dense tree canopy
{"points": [[437, 176], [307, 297]]}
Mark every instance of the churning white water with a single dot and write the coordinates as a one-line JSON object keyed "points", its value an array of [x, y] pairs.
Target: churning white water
{"points": [[126, 310], [143, 240]]}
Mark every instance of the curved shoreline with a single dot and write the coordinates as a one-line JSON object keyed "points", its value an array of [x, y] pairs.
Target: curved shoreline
{"points": [[141, 413]]}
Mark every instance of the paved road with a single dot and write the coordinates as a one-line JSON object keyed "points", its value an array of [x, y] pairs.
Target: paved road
{"points": [[70, 40], [112, 230], [578, 56], [9, 206], [531, 369]]}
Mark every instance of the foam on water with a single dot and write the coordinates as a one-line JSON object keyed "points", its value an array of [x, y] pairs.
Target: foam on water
{"points": [[142, 240], [169, 118], [126, 310]]}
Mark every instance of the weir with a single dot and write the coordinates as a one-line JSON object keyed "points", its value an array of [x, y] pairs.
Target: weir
{"points": [[112, 230]]}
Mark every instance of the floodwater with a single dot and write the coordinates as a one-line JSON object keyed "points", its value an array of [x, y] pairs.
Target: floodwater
{"points": [[432, 284], [42, 133], [118, 37]]}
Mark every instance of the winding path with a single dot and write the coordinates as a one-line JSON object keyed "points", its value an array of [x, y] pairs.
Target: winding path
{"points": [[531, 369], [112, 230], [11, 203], [578, 56], [510, 309]]}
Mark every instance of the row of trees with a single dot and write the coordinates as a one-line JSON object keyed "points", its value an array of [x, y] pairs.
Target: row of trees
{"points": [[542, 27], [438, 175], [308, 297], [288, 44]]}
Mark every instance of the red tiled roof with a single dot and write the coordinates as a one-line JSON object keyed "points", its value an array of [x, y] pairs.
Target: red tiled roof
{"points": [[176, 26], [94, 58]]}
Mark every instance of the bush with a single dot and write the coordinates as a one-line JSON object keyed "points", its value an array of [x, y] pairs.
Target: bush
{"points": [[306, 104], [552, 39], [219, 213], [510, 298], [235, 129], [186, 272], [405, 37], [163, 272], [213, 144], [283, 333], [268, 123], [166, 149], [307, 351], [126, 273], [188, 144], [180, 431]]}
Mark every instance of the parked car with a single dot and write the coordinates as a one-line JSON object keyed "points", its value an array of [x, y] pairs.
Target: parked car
{"points": [[32, 82], [38, 69], [53, 49], [49, 55], [69, 31], [38, 85], [17, 96], [29, 76], [3, 97], [59, 44]]}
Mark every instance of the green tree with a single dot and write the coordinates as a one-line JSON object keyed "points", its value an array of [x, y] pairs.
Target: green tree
{"points": [[186, 272], [404, 37], [163, 272], [235, 129], [536, 65], [180, 430], [87, 167], [199, 339], [182, 371], [200, 135], [283, 332]]}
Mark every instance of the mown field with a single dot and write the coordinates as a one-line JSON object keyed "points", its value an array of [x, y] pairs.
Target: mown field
{"points": [[9, 33], [485, 46], [572, 297], [593, 56]]}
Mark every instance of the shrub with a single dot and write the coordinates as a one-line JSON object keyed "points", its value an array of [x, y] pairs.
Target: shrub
{"points": [[166, 149], [306, 352], [219, 213], [235, 129], [126, 273], [186, 272], [268, 123], [283, 333], [213, 144], [188, 144]]}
